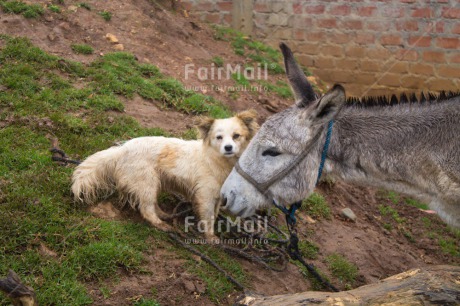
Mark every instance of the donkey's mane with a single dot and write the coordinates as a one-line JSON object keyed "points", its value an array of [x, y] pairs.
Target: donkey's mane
{"points": [[428, 97]]}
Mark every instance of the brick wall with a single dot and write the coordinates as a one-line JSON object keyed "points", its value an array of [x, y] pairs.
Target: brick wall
{"points": [[369, 46]]}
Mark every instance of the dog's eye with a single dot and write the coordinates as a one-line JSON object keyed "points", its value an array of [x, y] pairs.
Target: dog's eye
{"points": [[219, 137], [270, 152], [236, 136]]}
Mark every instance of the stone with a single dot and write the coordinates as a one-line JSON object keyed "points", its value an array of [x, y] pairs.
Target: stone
{"points": [[347, 213], [119, 47], [112, 38], [51, 37], [72, 8], [189, 286]]}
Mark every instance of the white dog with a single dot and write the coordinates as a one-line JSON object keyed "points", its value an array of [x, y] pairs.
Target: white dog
{"points": [[142, 167]]}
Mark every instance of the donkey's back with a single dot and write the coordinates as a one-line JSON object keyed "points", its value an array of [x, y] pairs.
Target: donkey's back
{"points": [[412, 148]]}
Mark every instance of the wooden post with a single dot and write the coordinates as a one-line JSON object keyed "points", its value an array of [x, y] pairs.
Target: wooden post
{"points": [[242, 16]]}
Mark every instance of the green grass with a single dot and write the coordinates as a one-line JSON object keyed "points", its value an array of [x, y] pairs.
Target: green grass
{"points": [[82, 49], [281, 88], [106, 15], [54, 8], [19, 7], [449, 246], [386, 210], [144, 302], [84, 5], [45, 95], [342, 269], [308, 249], [316, 206], [218, 61], [415, 203], [252, 49], [240, 79], [392, 196]]}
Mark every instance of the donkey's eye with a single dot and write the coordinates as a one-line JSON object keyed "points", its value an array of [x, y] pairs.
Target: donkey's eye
{"points": [[270, 152], [236, 136], [219, 137]]}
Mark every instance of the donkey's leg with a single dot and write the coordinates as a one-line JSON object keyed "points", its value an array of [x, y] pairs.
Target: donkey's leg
{"points": [[448, 210]]}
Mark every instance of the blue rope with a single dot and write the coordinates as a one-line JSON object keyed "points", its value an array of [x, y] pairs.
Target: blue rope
{"points": [[325, 149]]}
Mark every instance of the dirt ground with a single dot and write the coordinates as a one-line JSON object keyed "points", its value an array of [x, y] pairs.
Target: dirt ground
{"points": [[170, 40]]}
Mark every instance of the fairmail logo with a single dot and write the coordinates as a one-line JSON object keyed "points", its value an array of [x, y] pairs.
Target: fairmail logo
{"points": [[259, 72]]}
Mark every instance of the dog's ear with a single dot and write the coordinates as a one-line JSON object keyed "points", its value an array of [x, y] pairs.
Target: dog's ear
{"points": [[204, 125], [249, 118]]}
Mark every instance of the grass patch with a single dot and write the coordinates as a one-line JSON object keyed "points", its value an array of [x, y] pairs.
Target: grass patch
{"points": [[386, 210], [84, 5], [24, 9], [218, 61], [308, 249], [342, 269], [392, 196], [415, 203], [40, 98], [82, 49], [54, 8], [240, 79], [144, 302], [449, 246], [316, 206], [106, 15], [258, 52], [281, 88]]}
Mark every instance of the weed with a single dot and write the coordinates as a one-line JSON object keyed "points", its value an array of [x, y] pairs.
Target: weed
{"points": [[449, 246], [341, 268], [144, 302], [256, 51], [415, 203], [392, 196], [218, 61], [84, 5], [389, 211], [316, 206], [408, 235], [426, 221], [308, 249], [54, 8], [240, 79], [281, 88], [387, 226], [82, 49], [106, 15], [105, 292], [19, 7]]}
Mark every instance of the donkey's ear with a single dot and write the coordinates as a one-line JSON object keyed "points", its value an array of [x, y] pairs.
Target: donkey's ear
{"points": [[204, 125], [301, 88], [329, 105], [249, 118]]}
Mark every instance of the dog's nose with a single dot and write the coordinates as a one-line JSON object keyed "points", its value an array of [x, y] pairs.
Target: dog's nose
{"points": [[228, 148]]}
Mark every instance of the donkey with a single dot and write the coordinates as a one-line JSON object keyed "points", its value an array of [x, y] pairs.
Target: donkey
{"points": [[411, 148]]}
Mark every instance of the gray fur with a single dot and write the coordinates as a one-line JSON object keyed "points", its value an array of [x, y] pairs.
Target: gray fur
{"points": [[410, 148]]}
